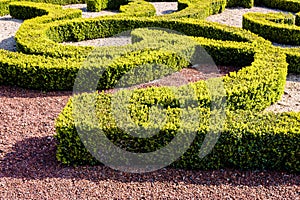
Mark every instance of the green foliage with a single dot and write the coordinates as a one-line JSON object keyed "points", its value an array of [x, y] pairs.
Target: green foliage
{"points": [[98, 5], [249, 140], [270, 26], [279, 28], [4, 4], [138, 8], [287, 5], [198, 9], [240, 3], [95, 5], [43, 63], [293, 59], [4, 7], [31, 36], [37, 72]]}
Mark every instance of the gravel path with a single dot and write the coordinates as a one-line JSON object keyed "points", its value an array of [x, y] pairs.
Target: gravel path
{"points": [[8, 28], [234, 16], [163, 8], [29, 170], [111, 41]]}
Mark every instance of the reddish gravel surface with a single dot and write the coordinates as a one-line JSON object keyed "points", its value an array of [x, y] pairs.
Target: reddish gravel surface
{"points": [[29, 170], [187, 75]]}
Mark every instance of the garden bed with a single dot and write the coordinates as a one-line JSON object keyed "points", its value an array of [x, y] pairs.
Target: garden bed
{"points": [[29, 168]]}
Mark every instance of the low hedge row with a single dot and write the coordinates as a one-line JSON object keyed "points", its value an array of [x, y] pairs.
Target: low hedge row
{"points": [[43, 13], [241, 145], [4, 4], [240, 3], [4, 7], [198, 9], [138, 8], [252, 88], [31, 37], [249, 140], [187, 8], [37, 72], [287, 5], [293, 59], [271, 25], [98, 5], [221, 51]]}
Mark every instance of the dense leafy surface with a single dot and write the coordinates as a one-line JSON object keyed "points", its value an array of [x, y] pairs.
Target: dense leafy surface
{"points": [[249, 139]]}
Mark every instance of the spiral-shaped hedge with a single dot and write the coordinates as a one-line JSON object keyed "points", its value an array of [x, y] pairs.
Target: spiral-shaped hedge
{"points": [[249, 139]]}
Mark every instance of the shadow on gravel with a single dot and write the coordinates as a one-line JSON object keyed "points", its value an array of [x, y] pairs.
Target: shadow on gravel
{"points": [[9, 18], [168, 12], [8, 44], [34, 158]]}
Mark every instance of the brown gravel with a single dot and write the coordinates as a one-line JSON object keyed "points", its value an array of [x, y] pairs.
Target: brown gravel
{"points": [[29, 170], [185, 76]]}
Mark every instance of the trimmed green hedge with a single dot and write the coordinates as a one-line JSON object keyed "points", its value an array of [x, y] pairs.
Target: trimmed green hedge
{"points": [[272, 25], [187, 8], [4, 7], [31, 37], [98, 5], [55, 66], [139, 8], [249, 140], [49, 12], [37, 72], [251, 88], [198, 9], [240, 3], [287, 5], [221, 52], [293, 59], [4, 4]]}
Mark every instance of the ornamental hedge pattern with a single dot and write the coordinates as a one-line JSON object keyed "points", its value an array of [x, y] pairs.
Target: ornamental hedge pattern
{"points": [[251, 139]]}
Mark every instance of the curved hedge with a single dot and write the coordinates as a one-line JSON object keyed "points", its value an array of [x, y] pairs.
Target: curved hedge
{"points": [[138, 8], [68, 30], [288, 5], [249, 140], [272, 25], [4, 4], [240, 3], [43, 63], [98, 5]]}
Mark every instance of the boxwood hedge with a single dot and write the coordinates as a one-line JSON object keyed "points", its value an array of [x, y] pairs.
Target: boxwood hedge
{"points": [[270, 26], [249, 140], [98, 5], [138, 8], [288, 5], [4, 4], [43, 63], [240, 3]]}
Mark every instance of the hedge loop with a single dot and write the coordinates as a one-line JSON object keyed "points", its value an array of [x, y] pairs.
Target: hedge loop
{"points": [[250, 140]]}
